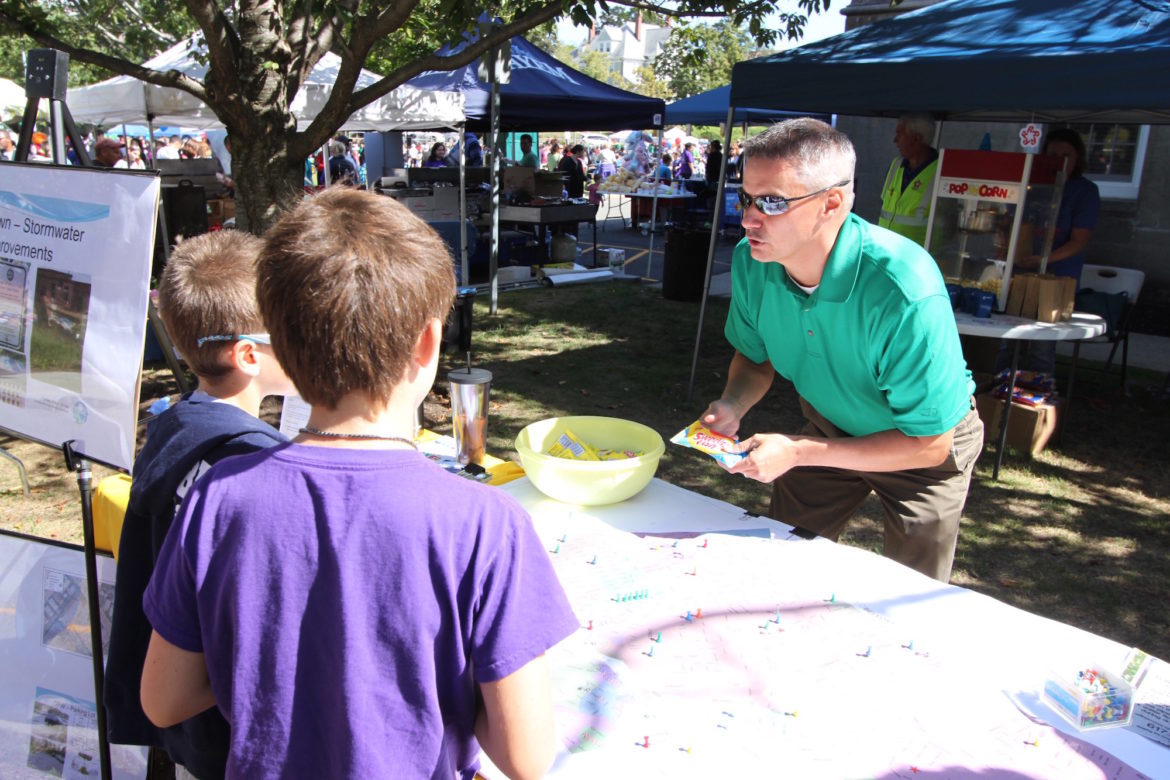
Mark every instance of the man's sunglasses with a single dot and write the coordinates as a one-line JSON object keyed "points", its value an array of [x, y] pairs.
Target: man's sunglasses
{"points": [[774, 205]]}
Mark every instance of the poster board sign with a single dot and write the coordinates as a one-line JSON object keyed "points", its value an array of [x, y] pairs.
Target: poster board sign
{"points": [[75, 254], [48, 719]]}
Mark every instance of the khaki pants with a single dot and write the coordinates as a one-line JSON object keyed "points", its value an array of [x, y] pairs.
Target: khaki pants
{"points": [[922, 506]]}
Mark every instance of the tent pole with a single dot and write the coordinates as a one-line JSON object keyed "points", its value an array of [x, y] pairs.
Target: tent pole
{"points": [[150, 131], [711, 247], [654, 206], [464, 272], [494, 262]]}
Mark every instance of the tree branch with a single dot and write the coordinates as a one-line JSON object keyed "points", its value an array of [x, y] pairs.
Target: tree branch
{"points": [[757, 6], [113, 64], [470, 53], [223, 51]]}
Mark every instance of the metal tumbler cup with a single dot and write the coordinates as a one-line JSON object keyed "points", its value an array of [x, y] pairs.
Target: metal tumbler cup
{"points": [[470, 388]]}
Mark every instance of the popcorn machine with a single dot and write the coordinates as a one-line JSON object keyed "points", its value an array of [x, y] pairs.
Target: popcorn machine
{"points": [[987, 210]]}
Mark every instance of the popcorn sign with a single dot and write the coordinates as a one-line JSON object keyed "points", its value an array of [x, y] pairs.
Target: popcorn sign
{"points": [[976, 190]]}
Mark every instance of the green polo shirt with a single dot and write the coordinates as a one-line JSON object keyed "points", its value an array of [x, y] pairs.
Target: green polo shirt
{"points": [[874, 347]]}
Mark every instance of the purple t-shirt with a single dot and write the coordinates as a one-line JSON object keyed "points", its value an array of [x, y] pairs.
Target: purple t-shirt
{"points": [[347, 601]]}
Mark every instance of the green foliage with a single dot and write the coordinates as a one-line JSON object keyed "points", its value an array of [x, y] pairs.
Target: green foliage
{"points": [[598, 65], [544, 37], [650, 85], [699, 57], [134, 31]]}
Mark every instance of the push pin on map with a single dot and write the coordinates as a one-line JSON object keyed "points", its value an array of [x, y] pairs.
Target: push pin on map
{"points": [[909, 645], [704, 544], [688, 616], [868, 650], [832, 599], [564, 538], [557, 549], [1033, 743], [658, 638], [645, 742], [699, 613], [791, 714], [590, 626], [594, 561]]}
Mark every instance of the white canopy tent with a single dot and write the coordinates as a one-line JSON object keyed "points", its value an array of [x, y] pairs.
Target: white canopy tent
{"points": [[124, 99], [12, 100]]}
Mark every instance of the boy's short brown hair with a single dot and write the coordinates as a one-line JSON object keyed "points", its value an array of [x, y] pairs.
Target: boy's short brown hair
{"points": [[347, 282], [208, 288]]}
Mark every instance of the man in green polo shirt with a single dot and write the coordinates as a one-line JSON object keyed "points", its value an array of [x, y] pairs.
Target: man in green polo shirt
{"points": [[858, 319]]}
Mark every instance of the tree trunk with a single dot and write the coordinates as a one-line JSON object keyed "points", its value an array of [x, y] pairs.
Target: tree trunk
{"points": [[268, 181]]}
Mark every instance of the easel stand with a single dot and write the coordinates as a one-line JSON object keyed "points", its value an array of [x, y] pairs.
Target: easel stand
{"points": [[80, 466]]}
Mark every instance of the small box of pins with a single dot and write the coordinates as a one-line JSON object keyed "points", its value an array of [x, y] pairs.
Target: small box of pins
{"points": [[1090, 698]]}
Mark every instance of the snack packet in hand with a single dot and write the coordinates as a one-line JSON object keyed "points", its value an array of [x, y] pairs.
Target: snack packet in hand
{"points": [[700, 437]]}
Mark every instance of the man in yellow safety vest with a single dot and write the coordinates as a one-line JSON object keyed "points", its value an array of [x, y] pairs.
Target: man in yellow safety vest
{"points": [[910, 181]]}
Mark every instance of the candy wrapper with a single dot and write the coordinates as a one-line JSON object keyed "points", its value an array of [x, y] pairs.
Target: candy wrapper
{"points": [[618, 454], [568, 446], [700, 437]]}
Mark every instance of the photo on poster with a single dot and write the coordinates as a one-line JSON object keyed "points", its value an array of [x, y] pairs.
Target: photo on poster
{"points": [[61, 306], [13, 293], [13, 316], [63, 742], [65, 612]]}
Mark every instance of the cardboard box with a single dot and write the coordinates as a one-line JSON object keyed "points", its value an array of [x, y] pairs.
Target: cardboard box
{"points": [[518, 179], [549, 185], [219, 210], [421, 207], [1029, 427]]}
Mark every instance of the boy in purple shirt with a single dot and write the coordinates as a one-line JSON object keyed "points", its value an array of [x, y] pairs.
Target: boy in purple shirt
{"points": [[351, 608]]}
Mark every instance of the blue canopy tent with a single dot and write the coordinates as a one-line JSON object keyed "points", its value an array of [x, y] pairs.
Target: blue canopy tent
{"points": [[710, 108], [979, 60], [543, 93], [1048, 60]]}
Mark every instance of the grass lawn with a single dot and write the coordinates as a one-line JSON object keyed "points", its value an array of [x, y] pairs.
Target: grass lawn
{"points": [[1080, 534]]}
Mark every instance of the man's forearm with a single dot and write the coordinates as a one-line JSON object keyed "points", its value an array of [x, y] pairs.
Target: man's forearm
{"points": [[880, 452], [747, 382]]}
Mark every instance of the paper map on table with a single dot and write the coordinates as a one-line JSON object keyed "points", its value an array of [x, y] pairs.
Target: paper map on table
{"points": [[1151, 680], [680, 671]]}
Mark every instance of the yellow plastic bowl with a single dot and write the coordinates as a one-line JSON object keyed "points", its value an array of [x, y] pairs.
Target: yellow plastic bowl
{"points": [[590, 482]]}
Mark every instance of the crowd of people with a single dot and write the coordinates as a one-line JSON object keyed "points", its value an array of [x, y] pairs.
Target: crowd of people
{"points": [[684, 160], [114, 150]]}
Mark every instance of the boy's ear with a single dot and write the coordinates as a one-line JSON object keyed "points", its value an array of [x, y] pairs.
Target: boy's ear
{"points": [[426, 347], [243, 357]]}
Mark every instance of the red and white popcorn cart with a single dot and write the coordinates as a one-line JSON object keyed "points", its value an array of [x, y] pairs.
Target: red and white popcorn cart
{"points": [[987, 210]]}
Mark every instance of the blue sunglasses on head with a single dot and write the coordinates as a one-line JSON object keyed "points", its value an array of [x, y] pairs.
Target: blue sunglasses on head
{"points": [[255, 338], [775, 205]]}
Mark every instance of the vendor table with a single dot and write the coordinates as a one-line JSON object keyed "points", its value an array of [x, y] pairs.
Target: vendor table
{"points": [[642, 204], [1017, 329], [545, 216], [715, 643]]}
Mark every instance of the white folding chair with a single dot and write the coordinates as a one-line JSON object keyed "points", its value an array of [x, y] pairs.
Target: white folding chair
{"points": [[1111, 279]]}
